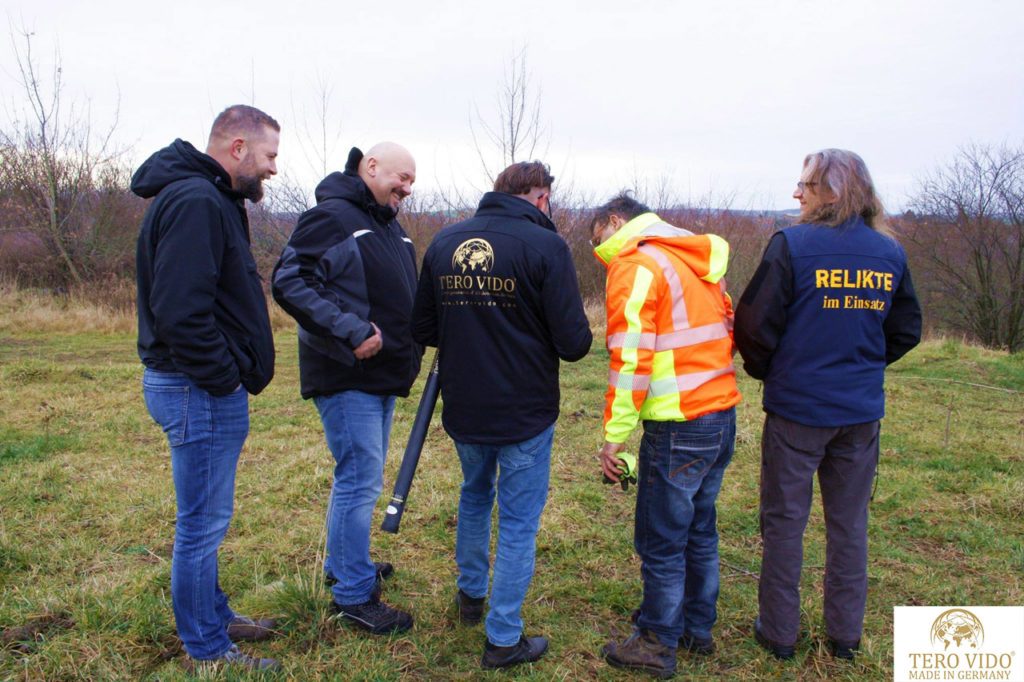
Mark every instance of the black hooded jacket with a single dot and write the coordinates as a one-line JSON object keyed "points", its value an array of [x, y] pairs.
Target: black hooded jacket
{"points": [[498, 296], [349, 263], [202, 310]]}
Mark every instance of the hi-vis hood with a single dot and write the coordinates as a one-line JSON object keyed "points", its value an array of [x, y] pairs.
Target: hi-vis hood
{"points": [[706, 254]]}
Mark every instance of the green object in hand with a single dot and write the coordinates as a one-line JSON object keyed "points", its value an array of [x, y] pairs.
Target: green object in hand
{"points": [[629, 468]]}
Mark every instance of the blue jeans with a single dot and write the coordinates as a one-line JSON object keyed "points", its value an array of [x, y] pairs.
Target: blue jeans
{"points": [[681, 465], [356, 426], [206, 434], [522, 473]]}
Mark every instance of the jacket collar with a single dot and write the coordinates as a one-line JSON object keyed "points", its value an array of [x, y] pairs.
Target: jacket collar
{"points": [[511, 206], [634, 228]]}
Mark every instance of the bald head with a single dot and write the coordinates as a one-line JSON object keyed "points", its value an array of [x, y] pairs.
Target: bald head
{"points": [[389, 170]]}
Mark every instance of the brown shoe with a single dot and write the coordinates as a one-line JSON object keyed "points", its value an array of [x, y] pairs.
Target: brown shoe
{"points": [[243, 629], [642, 651], [471, 609]]}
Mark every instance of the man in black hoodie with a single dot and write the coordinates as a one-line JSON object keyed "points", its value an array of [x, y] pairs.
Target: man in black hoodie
{"points": [[205, 339], [498, 296], [348, 276]]}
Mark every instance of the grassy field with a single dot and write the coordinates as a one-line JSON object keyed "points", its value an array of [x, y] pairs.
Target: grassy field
{"points": [[88, 517]]}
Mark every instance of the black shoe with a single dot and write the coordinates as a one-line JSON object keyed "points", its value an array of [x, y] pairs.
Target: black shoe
{"points": [[844, 651], [688, 642], [233, 658], [471, 609], [779, 651], [383, 568], [374, 616], [694, 645], [526, 650]]}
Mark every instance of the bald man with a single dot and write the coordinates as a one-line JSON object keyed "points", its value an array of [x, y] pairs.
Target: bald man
{"points": [[348, 277]]}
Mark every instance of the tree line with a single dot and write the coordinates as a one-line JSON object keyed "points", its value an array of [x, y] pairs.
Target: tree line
{"points": [[68, 220]]}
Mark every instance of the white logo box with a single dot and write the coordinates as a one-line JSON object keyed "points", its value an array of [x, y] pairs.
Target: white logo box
{"points": [[958, 643]]}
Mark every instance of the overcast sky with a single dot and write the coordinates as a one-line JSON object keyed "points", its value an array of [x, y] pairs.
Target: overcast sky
{"points": [[716, 98]]}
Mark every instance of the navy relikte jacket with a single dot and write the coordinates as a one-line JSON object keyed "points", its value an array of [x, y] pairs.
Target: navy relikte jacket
{"points": [[202, 310], [349, 263], [827, 309], [499, 298]]}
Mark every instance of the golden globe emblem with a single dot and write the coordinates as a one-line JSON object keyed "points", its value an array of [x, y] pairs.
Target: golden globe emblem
{"points": [[473, 255], [957, 628]]}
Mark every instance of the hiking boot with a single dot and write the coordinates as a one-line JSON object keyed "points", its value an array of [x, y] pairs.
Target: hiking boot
{"points": [[383, 568], [642, 651], [844, 651], [779, 651], [374, 616], [234, 657], [242, 629], [688, 642], [526, 650], [471, 609]]}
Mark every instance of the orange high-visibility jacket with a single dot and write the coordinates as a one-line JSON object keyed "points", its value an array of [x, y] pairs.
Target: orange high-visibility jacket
{"points": [[669, 325]]}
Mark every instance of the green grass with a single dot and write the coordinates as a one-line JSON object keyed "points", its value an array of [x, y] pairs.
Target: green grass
{"points": [[88, 517]]}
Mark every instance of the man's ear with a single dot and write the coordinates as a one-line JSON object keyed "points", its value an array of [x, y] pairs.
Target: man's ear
{"points": [[238, 148], [371, 166]]}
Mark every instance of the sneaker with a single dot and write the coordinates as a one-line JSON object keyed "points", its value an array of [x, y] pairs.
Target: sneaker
{"points": [[688, 642], [374, 616], [383, 568], [642, 651], [242, 629], [779, 651], [471, 609], [526, 650], [234, 657], [844, 651]]}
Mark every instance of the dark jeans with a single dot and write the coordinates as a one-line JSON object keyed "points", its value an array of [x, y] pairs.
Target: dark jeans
{"points": [[206, 434], [681, 465], [845, 458]]}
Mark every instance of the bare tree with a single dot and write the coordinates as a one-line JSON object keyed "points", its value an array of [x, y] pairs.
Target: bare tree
{"points": [[515, 131], [969, 233], [53, 164]]}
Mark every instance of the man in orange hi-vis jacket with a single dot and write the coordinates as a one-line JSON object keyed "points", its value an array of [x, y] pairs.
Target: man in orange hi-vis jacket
{"points": [[670, 338]]}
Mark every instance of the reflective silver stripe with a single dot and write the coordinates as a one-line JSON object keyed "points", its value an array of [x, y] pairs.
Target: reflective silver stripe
{"points": [[406, 239], [640, 341], [664, 229], [691, 337], [680, 319], [677, 339], [686, 382], [360, 233], [628, 382]]}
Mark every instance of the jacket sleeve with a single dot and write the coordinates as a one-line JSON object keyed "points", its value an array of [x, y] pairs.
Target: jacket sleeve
{"points": [[761, 311], [563, 307], [902, 326], [424, 307], [299, 282], [186, 268], [631, 300]]}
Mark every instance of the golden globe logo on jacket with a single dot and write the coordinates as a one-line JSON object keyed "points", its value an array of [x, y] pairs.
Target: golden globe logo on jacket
{"points": [[958, 643], [472, 261]]}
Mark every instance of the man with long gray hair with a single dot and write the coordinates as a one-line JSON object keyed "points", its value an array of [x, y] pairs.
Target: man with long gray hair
{"points": [[830, 306]]}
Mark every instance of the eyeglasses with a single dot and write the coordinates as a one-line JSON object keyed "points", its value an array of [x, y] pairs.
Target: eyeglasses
{"points": [[802, 185]]}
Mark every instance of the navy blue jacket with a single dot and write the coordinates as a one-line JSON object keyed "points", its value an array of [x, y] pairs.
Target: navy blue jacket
{"points": [[202, 310], [349, 263], [825, 312], [498, 296]]}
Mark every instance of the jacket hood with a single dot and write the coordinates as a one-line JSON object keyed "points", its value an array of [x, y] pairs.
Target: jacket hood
{"points": [[706, 254], [349, 186], [511, 206], [177, 161]]}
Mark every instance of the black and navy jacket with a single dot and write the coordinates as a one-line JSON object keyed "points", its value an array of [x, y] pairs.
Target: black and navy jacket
{"points": [[349, 263], [202, 310], [827, 309], [498, 296]]}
